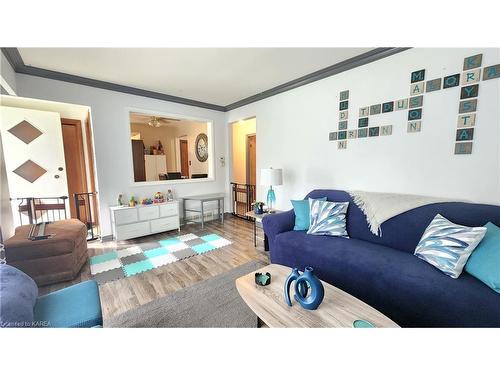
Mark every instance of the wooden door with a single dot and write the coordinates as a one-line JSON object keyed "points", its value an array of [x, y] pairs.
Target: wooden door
{"points": [[75, 162], [251, 159], [90, 162], [138, 160], [184, 158], [33, 154]]}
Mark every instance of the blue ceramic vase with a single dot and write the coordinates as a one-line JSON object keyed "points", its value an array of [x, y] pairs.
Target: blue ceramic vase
{"points": [[309, 291]]}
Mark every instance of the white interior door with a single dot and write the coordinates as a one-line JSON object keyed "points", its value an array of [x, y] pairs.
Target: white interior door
{"points": [[33, 153]]}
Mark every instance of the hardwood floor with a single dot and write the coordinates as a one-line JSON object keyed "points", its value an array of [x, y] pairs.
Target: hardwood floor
{"points": [[124, 294]]}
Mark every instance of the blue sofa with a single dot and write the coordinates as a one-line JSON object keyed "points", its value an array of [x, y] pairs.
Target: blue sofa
{"points": [[383, 272]]}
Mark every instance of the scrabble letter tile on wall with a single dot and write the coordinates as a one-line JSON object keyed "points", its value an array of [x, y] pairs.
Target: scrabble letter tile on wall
{"points": [[416, 101], [463, 148], [373, 132], [451, 81], [386, 130], [418, 76], [342, 145], [362, 133], [491, 72], [387, 107], [471, 76], [332, 136], [342, 135], [417, 89], [351, 134], [343, 115], [433, 85], [465, 134], [363, 122], [472, 62], [343, 105], [342, 125], [469, 91], [375, 109], [400, 104], [364, 111], [415, 114], [344, 95], [467, 106], [467, 120], [414, 126]]}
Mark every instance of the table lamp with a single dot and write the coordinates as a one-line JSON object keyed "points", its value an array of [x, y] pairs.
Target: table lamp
{"points": [[271, 177]]}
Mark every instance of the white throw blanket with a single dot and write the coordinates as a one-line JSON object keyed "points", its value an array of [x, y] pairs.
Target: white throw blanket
{"points": [[379, 207]]}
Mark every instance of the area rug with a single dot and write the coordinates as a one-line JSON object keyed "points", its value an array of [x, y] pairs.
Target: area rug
{"points": [[211, 303], [130, 261]]}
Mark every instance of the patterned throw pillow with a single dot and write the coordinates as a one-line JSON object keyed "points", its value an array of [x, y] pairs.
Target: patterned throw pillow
{"points": [[328, 218], [447, 245]]}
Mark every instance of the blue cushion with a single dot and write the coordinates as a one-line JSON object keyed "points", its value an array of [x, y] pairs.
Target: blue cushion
{"points": [[75, 306], [328, 218], [484, 263], [18, 294], [448, 246], [302, 213]]}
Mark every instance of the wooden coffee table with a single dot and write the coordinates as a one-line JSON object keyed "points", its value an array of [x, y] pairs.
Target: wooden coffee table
{"points": [[338, 309]]}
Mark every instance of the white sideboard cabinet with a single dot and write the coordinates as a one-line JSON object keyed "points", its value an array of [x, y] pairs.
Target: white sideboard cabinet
{"points": [[142, 220]]}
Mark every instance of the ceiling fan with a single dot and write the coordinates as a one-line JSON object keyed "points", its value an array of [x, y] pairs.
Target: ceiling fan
{"points": [[154, 121]]}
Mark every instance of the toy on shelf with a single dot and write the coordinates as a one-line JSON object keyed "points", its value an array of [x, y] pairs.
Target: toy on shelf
{"points": [[147, 201], [170, 196], [158, 197], [120, 200], [132, 202]]}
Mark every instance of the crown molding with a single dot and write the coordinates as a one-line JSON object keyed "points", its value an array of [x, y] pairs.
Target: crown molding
{"points": [[15, 60]]}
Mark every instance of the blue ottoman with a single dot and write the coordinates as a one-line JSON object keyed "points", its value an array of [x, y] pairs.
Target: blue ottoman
{"points": [[77, 306]]}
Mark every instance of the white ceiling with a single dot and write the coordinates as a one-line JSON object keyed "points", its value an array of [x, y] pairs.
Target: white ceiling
{"points": [[214, 75]]}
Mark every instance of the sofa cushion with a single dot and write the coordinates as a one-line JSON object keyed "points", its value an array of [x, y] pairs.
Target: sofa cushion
{"points": [[18, 293], [77, 306], [302, 213], [406, 289], [447, 246], [484, 263], [328, 218]]}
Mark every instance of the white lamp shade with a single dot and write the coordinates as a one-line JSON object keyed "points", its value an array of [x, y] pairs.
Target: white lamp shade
{"points": [[271, 176]]}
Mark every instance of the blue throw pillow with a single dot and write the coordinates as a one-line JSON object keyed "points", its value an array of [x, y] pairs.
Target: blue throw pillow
{"points": [[447, 245], [328, 218], [302, 213], [484, 263]]}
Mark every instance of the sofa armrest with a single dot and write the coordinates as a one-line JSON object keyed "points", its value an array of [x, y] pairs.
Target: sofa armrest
{"points": [[278, 223]]}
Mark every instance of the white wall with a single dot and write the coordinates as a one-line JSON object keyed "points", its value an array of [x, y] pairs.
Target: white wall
{"points": [[111, 130], [293, 127], [7, 76]]}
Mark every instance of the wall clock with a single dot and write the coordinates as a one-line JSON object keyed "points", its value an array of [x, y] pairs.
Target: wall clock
{"points": [[201, 147]]}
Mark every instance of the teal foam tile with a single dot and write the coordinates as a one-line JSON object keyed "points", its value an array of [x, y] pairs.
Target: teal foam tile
{"points": [[138, 267], [203, 248], [155, 252], [211, 237], [103, 257]]}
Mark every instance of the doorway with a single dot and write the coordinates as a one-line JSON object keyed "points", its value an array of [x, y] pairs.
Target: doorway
{"points": [[243, 165], [184, 157]]}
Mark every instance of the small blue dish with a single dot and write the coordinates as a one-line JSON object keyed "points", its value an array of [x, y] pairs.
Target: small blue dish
{"points": [[359, 323]]}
